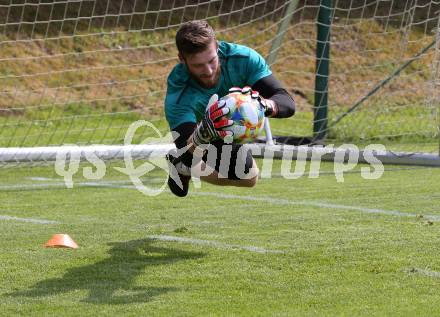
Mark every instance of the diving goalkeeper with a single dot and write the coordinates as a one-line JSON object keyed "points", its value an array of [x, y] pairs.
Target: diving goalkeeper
{"points": [[209, 67]]}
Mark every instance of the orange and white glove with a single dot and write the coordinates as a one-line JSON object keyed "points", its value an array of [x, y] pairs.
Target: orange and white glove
{"points": [[212, 123], [270, 109]]}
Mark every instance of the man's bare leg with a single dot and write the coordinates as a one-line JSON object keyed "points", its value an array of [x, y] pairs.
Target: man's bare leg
{"points": [[216, 179]]}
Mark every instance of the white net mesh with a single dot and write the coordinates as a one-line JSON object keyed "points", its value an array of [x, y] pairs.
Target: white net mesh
{"points": [[370, 41], [81, 72]]}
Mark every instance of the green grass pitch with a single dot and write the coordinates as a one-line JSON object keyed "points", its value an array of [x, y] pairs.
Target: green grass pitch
{"points": [[298, 247]]}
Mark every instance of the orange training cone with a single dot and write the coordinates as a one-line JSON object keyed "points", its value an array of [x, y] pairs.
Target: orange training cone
{"points": [[61, 241]]}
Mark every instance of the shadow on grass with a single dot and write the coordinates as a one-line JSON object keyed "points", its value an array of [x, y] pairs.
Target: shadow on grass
{"points": [[110, 281]]}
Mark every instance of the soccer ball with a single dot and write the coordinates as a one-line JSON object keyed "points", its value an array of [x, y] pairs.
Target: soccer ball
{"points": [[247, 114]]}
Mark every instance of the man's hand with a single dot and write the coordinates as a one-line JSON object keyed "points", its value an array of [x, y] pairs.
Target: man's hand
{"points": [[210, 128], [269, 106]]}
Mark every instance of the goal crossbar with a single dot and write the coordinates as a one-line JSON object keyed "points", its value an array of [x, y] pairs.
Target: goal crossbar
{"points": [[260, 150]]}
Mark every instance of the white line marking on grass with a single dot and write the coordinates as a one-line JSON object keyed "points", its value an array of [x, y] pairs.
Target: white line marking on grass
{"points": [[215, 244], [322, 173], [39, 221], [424, 272], [31, 186], [42, 179], [62, 185], [285, 202]]}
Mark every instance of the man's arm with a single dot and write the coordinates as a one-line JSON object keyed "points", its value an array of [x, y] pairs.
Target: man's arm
{"points": [[184, 132], [271, 89]]}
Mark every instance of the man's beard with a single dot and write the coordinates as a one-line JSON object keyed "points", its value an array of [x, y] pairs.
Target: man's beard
{"points": [[204, 84]]}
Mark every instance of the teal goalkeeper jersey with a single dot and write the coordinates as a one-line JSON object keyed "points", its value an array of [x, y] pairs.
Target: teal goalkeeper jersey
{"points": [[186, 101]]}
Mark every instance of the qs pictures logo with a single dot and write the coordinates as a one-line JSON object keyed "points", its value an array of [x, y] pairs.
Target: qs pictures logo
{"points": [[135, 173], [68, 159]]}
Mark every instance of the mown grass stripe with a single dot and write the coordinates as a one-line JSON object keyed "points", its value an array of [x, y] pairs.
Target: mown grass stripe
{"points": [[281, 201], [271, 200]]}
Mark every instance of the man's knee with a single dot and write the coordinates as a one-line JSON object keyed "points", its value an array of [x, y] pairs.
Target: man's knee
{"points": [[251, 181]]}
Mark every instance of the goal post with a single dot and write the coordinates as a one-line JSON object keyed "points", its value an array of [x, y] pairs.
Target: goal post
{"points": [[320, 109]]}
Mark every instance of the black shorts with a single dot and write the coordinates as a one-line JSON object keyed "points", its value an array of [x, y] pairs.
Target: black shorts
{"points": [[232, 161]]}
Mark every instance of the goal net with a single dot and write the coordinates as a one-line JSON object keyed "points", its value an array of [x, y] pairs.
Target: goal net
{"points": [[82, 71]]}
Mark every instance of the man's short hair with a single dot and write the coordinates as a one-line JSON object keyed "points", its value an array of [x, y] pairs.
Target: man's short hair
{"points": [[194, 37]]}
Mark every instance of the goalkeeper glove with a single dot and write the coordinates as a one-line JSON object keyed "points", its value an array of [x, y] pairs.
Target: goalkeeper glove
{"points": [[269, 106], [212, 123]]}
